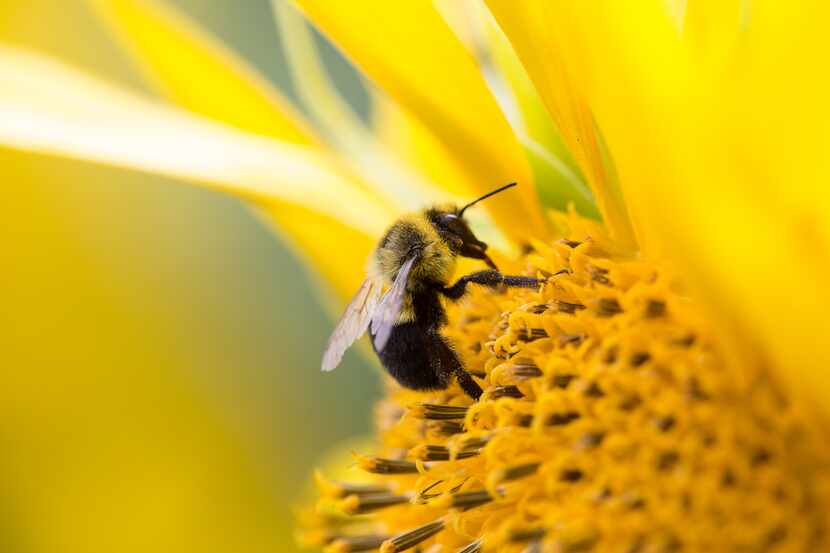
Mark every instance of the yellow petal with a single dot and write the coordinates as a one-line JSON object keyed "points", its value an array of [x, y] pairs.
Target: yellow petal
{"points": [[314, 88], [197, 72], [408, 50], [559, 179], [535, 32], [407, 138], [711, 29], [337, 252], [729, 166], [51, 108], [401, 160], [341, 125]]}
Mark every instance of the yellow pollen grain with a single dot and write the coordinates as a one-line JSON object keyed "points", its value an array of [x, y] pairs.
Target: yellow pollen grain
{"points": [[610, 422], [350, 505]]}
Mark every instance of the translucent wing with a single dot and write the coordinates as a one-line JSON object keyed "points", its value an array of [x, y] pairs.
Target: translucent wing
{"points": [[353, 323], [387, 312]]}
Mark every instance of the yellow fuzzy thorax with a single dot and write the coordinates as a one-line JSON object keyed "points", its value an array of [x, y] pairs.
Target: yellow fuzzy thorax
{"points": [[437, 263], [610, 423]]}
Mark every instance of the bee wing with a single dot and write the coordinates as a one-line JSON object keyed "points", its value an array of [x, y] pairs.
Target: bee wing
{"points": [[390, 305], [353, 323]]}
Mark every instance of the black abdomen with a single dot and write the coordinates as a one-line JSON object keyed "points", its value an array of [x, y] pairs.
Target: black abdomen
{"points": [[418, 357]]}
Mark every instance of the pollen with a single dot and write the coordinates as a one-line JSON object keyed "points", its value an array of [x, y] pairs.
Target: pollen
{"points": [[610, 422]]}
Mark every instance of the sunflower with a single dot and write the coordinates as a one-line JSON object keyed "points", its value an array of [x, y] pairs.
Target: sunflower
{"points": [[665, 390]]}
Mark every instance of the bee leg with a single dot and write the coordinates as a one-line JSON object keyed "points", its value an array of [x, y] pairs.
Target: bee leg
{"points": [[447, 365], [470, 386], [488, 278]]}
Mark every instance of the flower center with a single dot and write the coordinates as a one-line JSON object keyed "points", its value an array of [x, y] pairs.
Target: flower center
{"points": [[609, 422]]}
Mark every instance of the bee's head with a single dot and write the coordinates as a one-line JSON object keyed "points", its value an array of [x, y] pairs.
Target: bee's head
{"points": [[456, 232], [450, 224]]}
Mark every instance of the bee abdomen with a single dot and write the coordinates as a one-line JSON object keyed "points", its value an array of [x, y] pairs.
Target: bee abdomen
{"points": [[413, 356]]}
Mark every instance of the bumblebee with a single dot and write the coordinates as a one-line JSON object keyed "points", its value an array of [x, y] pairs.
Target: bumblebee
{"points": [[414, 262]]}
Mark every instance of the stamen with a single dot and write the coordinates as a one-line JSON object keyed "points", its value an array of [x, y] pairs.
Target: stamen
{"points": [[760, 456], [448, 428], [562, 380], [475, 442], [664, 424], [695, 391], [633, 501], [570, 475], [586, 543], [424, 494], [630, 402], [568, 307], [775, 536], [666, 461], [432, 411], [469, 500], [518, 471], [571, 339], [608, 307], [561, 419], [504, 391], [336, 490], [591, 439], [640, 358], [655, 309], [404, 541], [474, 547], [685, 342], [592, 389], [378, 465], [360, 504], [532, 334], [427, 452], [528, 534], [524, 421], [524, 369], [355, 544], [598, 275]]}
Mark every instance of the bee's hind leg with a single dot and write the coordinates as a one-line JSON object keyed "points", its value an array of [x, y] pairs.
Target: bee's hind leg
{"points": [[449, 366], [470, 386]]}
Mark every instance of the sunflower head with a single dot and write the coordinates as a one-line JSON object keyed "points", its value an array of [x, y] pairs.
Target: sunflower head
{"points": [[610, 421]]}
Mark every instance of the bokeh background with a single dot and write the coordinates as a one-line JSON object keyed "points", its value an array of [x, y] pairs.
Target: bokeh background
{"points": [[160, 346]]}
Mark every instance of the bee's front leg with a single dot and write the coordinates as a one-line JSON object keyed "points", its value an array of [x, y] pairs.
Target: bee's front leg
{"points": [[488, 278]]}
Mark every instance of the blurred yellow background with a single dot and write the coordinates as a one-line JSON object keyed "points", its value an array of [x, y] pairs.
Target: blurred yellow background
{"points": [[161, 346]]}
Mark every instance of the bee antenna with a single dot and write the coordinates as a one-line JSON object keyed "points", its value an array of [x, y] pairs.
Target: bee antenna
{"points": [[491, 193]]}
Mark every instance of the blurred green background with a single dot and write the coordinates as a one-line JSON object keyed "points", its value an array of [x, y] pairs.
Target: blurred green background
{"points": [[161, 346]]}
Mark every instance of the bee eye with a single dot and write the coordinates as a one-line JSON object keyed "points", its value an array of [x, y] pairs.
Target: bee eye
{"points": [[451, 222]]}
